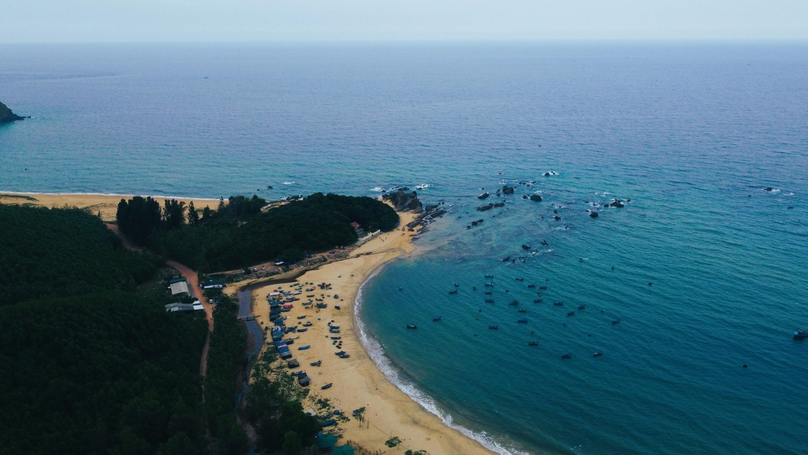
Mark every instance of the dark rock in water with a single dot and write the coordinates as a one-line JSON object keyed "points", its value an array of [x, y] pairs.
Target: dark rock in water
{"points": [[524, 196], [525, 247], [535, 198], [499, 192], [499, 204], [768, 188], [483, 196], [507, 189], [430, 207], [403, 201], [6, 116], [485, 207], [506, 259], [557, 218], [593, 214], [617, 203]]}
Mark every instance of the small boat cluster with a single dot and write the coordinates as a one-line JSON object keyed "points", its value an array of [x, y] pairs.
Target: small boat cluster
{"points": [[490, 290]]}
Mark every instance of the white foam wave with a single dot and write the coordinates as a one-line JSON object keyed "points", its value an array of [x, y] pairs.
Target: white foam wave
{"points": [[378, 189], [376, 352], [291, 182], [422, 186]]}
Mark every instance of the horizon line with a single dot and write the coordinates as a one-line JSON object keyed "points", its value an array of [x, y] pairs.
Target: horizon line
{"points": [[435, 41]]}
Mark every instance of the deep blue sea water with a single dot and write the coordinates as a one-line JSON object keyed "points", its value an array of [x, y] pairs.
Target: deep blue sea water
{"points": [[691, 133]]}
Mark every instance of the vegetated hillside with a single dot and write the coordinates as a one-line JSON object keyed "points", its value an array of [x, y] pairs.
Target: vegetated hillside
{"points": [[47, 252], [7, 116], [104, 371], [232, 238], [100, 373]]}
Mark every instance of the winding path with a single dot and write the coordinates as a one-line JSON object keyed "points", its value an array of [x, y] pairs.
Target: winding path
{"points": [[193, 284]]}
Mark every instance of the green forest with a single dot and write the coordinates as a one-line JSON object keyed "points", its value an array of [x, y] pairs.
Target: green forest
{"points": [[238, 234], [90, 361], [100, 373], [63, 252]]}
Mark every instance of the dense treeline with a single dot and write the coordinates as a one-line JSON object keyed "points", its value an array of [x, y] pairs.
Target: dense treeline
{"points": [[100, 373], [275, 411], [47, 252], [104, 371], [238, 234], [226, 353]]}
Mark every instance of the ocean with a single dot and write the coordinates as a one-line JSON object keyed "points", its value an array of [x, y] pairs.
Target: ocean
{"points": [[704, 267]]}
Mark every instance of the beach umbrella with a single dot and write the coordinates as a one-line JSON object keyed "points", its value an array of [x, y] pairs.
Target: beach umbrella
{"points": [[343, 450], [326, 441]]}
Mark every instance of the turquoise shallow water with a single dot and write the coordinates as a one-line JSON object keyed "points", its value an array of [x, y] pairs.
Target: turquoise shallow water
{"points": [[692, 134]]}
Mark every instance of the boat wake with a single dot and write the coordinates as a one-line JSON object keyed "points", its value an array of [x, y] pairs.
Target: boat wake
{"points": [[395, 376]]}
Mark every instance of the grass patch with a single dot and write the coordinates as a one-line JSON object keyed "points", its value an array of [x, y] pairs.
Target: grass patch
{"points": [[19, 196]]}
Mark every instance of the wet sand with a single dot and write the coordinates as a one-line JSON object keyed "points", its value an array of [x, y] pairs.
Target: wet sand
{"points": [[357, 382]]}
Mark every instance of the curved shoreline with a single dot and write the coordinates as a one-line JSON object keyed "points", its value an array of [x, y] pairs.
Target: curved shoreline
{"points": [[358, 381], [392, 372]]}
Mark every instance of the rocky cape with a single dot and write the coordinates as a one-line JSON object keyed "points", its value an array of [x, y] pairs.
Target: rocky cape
{"points": [[403, 201], [6, 116]]}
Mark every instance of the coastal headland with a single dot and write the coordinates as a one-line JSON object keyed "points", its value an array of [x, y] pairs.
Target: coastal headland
{"points": [[389, 414], [356, 381]]}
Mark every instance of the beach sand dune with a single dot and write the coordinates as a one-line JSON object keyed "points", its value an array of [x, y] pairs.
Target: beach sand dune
{"points": [[357, 382], [105, 204]]}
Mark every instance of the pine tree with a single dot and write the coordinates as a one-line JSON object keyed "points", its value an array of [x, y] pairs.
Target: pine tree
{"points": [[193, 217]]}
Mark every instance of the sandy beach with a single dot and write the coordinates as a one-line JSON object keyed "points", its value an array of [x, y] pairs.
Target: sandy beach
{"points": [[357, 382], [106, 204]]}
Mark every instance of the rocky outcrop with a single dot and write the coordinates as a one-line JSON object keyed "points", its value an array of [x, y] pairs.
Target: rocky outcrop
{"points": [[535, 198], [617, 203], [507, 189], [486, 207], [6, 116], [593, 214], [403, 201], [427, 216]]}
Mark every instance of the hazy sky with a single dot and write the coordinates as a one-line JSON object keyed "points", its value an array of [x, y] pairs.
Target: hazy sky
{"points": [[326, 20]]}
